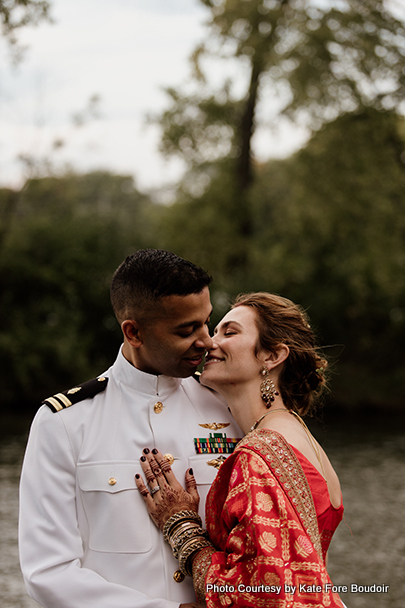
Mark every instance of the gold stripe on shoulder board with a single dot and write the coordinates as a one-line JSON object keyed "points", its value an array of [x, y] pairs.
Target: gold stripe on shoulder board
{"points": [[58, 406], [66, 402]]}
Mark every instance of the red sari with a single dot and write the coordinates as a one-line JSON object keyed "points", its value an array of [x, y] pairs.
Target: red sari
{"points": [[262, 520]]}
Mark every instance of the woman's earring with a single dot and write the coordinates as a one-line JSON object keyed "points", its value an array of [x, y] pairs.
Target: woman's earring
{"points": [[267, 388]]}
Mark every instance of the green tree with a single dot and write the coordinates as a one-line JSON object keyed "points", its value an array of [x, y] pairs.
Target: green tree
{"points": [[308, 61], [66, 237], [329, 233], [325, 226], [336, 232]]}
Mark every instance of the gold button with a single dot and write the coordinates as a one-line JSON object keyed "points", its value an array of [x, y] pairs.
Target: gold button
{"points": [[158, 407], [112, 481], [169, 458], [178, 576]]}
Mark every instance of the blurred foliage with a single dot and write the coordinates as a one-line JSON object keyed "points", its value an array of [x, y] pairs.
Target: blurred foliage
{"points": [[328, 231], [60, 241], [307, 61], [16, 14], [324, 227]]}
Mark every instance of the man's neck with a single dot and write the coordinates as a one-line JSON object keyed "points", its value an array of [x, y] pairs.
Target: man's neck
{"points": [[130, 355]]}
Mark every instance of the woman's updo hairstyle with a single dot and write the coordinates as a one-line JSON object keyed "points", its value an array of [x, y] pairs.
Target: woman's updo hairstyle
{"points": [[280, 321]]}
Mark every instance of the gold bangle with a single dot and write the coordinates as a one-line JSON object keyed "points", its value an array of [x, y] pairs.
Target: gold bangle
{"points": [[181, 539], [188, 550], [182, 525], [177, 518]]}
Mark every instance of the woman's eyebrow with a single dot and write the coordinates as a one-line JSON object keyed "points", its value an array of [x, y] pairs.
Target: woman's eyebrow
{"points": [[225, 325]]}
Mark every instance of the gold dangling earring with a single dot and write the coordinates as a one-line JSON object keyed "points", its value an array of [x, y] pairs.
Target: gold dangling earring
{"points": [[267, 389]]}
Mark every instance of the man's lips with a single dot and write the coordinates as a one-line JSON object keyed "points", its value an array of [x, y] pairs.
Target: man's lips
{"points": [[195, 361]]}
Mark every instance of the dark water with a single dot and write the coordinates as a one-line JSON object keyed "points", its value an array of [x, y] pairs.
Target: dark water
{"points": [[369, 546], [368, 549], [12, 590]]}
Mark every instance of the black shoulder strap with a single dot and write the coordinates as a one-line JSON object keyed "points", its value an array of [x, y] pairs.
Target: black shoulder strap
{"points": [[87, 390]]}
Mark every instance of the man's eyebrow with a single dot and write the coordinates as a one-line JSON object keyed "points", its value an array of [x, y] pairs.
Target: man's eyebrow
{"points": [[191, 323]]}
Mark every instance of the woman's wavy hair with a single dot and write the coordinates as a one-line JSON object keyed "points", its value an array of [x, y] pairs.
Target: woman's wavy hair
{"points": [[280, 321]]}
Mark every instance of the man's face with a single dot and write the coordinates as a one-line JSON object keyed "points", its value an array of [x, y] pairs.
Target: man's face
{"points": [[174, 342]]}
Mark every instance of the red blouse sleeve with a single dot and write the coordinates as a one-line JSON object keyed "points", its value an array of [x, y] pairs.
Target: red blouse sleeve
{"points": [[266, 558]]}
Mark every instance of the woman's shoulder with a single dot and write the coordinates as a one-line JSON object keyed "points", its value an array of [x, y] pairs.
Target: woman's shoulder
{"points": [[296, 434], [290, 428], [299, 438]]}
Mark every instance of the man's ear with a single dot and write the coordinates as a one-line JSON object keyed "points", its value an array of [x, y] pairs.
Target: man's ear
{"points": [[131, 331], [277, 357]]}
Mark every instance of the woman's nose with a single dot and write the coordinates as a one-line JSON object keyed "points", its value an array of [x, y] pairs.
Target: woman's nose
{"points": [[214, 342]]}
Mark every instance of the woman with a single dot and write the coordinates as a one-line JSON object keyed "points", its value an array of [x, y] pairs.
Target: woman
{"points": [[276, 501]]}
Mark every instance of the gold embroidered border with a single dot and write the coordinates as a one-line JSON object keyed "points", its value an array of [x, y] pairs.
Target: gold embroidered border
{"points": [[201, 563], [277, 453]]}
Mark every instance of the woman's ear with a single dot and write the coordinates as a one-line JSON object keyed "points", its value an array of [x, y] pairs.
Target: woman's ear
{"points": [[276, 357], [131, 331]]}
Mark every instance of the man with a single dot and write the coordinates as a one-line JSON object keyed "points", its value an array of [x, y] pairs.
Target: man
{"points": [[85, 536]]}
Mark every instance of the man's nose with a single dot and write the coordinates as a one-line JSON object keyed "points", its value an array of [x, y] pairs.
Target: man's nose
{"points": [[204, 340]]}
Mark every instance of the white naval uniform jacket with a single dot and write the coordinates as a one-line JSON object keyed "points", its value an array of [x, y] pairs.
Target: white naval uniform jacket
{"points": [[85, 543]]}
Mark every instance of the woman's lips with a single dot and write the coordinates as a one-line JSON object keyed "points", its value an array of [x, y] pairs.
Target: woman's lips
{"points": [[210, 360]]}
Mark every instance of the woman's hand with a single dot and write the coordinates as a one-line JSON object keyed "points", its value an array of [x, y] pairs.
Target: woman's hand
{"points": [[166, 496]]}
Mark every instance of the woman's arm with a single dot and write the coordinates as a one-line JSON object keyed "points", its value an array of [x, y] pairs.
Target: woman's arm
{"points": [[175, 512]]}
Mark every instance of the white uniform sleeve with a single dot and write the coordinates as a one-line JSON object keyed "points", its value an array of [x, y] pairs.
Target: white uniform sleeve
{"points": [[49, 538]]}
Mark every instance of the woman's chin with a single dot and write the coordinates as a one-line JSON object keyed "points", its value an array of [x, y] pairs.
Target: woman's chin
{"points": [[205, 380]]}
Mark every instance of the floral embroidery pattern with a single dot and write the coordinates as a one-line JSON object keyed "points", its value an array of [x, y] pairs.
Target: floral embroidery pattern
{"points": [[264, 502], [268, 541], [303, 546]]}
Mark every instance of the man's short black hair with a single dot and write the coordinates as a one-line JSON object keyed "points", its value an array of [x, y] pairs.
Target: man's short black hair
{"points": [[150, 274]]}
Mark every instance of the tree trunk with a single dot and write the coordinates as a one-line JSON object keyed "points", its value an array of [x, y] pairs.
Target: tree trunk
{"points": [[247, 128], [247, 125]]}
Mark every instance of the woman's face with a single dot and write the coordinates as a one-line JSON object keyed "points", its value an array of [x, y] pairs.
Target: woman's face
{"points": [[232, 358]]}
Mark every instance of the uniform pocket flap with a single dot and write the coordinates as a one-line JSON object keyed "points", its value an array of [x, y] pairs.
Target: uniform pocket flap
{"points": [[108, 476], [117, 518]]}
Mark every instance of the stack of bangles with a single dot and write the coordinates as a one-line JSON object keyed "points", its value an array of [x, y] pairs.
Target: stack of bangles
{"points": [[185, 536]]}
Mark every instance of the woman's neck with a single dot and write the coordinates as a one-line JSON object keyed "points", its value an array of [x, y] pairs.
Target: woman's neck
{"points": [[246, 404]]}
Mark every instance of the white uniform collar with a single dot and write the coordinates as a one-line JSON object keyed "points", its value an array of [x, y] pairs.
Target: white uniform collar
{"points": [[149, 384]]}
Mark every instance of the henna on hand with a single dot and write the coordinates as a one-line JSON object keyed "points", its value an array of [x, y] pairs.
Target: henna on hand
{"points": [[172, 497]]}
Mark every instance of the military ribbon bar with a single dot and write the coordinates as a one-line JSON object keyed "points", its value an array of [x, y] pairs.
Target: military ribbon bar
{"points": [[216, 443]]}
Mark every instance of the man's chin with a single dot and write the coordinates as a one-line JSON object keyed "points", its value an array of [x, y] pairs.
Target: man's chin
{"points": [[187, 372]]}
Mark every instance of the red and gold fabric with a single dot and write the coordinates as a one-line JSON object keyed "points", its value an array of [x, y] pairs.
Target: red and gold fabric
{"points": [[262, 520]]}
